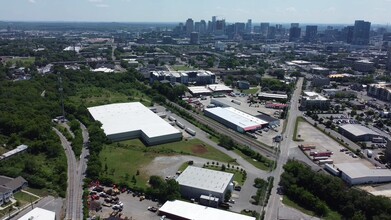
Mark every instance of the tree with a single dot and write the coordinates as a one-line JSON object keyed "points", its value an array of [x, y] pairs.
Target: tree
{"points": [[223, 167]]}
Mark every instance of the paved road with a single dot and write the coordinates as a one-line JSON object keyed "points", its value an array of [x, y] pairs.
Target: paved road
{"points": [[72, 197], [242, 199], [76, 170], [274, 203]]}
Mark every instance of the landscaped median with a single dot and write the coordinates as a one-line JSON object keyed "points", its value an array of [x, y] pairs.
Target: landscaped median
{"points": [[296, 135]]}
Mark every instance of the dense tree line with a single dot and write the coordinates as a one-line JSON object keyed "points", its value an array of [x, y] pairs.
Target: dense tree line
{"points": [[26, 110], [163, 190], [314, 191]]}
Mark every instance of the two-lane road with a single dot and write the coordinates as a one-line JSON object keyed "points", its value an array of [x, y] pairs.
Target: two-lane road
{"points": [[272, 207]]}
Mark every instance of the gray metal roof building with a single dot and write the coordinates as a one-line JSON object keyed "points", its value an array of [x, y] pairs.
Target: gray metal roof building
{"points": [[356, 132], [196, 181], [358, 173]]}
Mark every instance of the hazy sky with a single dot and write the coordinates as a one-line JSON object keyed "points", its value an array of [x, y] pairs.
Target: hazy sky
{"points": [[284, 11]]}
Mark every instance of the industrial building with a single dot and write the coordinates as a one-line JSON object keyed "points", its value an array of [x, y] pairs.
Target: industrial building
{"points": [[123, 121], [219, 88], [271, 121], [19, 149], [270, 96], [358, 173], [313, 100], [198, 77], [199, 90], [356, 132], [380, 90], [195, 182], [179, 210], [39, 213], [235, 119]]}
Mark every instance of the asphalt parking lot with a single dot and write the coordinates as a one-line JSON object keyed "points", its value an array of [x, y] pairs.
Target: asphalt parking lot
{"points": [[132, 208]]}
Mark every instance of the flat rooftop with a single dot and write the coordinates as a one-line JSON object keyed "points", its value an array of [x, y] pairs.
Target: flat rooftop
{"points": [[193, 211], [359, 170], [237, 117], [38, 213], [219, 88], [358, 130], [129, 117], [272, 95], [208, 180], [199, 89], [314, 96]]}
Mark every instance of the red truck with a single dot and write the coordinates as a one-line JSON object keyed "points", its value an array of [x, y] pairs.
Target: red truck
{"points": [[321, 154]]}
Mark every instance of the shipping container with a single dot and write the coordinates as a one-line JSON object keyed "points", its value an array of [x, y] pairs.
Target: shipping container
{"points": [[327, 161], [180, 124], [190, 131], [320, 158]]}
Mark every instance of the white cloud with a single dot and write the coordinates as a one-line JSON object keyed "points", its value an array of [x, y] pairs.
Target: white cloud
{"points": [[32, 1]]}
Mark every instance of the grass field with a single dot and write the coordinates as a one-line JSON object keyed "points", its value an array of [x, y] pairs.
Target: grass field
{"points": [[332, 215], [182, 68], [255, 163], [93, 96], [251, 91], [24, 60], [295, 132], [24, 198], [238, 175], [123, 159]]}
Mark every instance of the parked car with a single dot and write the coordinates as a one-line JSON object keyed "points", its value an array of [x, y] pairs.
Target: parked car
{"points": [[152, 209]]}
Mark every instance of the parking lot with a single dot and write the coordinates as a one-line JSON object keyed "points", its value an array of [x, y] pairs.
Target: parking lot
{"points": [[133, 207], [323, 143]]}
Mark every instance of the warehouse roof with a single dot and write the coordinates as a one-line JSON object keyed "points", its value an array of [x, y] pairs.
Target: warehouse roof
{"points": [[236, 117], [314, 96], [358, 130], [193, 211], [38, 213], [359, 170], [219, 88], [199, 89], [129, 117], [208, 180], [272, 95]]}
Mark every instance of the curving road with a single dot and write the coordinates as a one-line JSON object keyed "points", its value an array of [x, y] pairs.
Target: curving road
{"points": [[76, 170], [71, 198]]}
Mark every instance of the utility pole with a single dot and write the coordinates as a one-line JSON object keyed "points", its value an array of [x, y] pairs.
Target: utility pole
{"points": [[61, 90]]}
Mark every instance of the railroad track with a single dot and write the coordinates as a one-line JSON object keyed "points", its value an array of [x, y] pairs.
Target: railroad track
{"points": [[239, 138]]}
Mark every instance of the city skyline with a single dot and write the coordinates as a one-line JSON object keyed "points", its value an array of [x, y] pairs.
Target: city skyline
{"points": [[280, 11]]}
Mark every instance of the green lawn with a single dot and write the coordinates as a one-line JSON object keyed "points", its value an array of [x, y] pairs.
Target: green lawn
{"points": [[93, 96], [238, 175], [24, 60], [182, 68], [24, 198], [123, 159], [332, 215], [295, 134], [251, 91], [255, 163]]}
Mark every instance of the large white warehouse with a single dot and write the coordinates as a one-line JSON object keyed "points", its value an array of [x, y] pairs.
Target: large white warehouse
{"points": [[196, 181], [179, 210], [235, 119], [124, 121]]}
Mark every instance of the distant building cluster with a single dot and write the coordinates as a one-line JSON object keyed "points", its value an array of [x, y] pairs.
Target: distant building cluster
{"points": [[194, 77], [381, 91]]}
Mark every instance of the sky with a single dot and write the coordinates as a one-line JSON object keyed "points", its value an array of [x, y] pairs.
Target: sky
{"points": [[274, 11]]}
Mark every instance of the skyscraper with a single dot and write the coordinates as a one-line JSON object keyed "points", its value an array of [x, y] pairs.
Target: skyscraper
{"points": [[311, 33], [264, 29], [294, 32], [361, 32], [239, 28], [249, 26], [194, 38], [202, 27], [189, 26]]}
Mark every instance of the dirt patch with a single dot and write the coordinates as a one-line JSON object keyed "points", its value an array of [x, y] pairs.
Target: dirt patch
{"points": [[199, 149]]}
